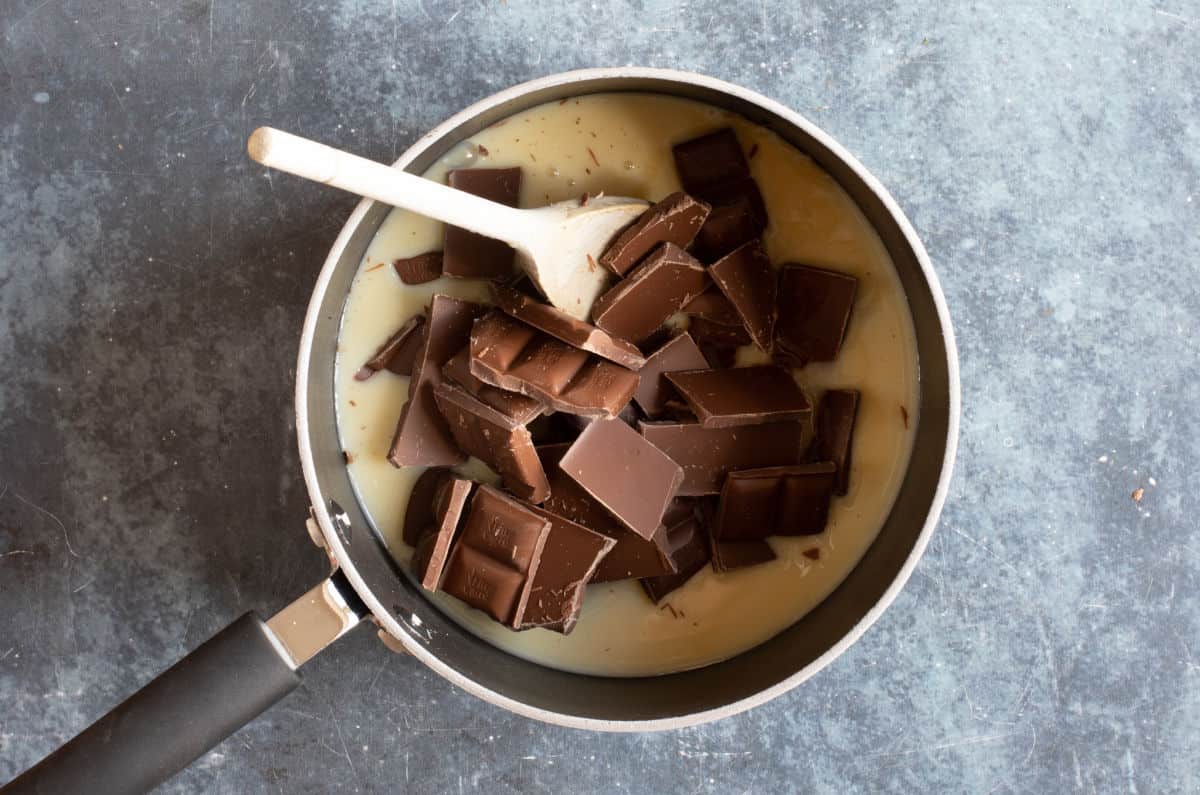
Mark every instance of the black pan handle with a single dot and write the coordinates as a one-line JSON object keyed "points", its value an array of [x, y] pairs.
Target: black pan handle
{"points": [[196, 703]]}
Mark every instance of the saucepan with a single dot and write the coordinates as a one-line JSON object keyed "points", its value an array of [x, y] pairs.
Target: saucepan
{"points": [[252, 664]]}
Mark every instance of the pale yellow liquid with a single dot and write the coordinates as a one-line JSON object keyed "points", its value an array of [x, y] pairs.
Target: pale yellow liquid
{"points": [[714, 616]]}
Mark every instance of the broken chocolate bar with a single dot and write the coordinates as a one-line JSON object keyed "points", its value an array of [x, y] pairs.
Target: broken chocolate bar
{"points": [[653, 291], [688, 551], [709, 160], [707, 455], [422, 436], [433, 550], [835, 432], [560, 325], [521, 409], [678, 353], [398, 353], [510, 355], [470, 255], [775, 501], [494, 438], [569, 561], [630, 477], [814, 309], [419, 513], [747, 279], [419, 269], [675, 219], [741, 395]]}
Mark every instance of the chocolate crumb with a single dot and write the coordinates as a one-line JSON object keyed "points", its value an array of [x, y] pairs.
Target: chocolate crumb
{"points": [[563, 101], [591, 264], [667, 606], [812, 554], [588, 170], [583, 200], [483, 151], [352, 403], [592, 155], [1138, 493], [348, 457], [904, 415], [753, 151], [373, 268]]}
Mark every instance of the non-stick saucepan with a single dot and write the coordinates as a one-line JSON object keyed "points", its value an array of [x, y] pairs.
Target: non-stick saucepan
{"points": [[252, 664]]}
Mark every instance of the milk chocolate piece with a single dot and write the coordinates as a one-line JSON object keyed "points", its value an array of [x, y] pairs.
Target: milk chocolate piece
{"points": [[676, 219], [466, 254], [747, 279], [569, 560], [710, 160], [433, 550], [651, 293], [814, 308], [422, 436], [494, 438], [398, 353], [783, 501], [561, 326], [741, 395], [633, 556], [484, 583], [630, 477], [419, 513], [728, 555], [679, 353], [713, 306], [736, 219], [510, 355], [688, 551], [835, 432], [707, 455], [521, 409], [419, 269]]}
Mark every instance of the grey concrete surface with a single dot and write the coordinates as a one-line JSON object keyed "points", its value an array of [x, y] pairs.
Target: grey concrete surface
{"points": [[152, 285]]}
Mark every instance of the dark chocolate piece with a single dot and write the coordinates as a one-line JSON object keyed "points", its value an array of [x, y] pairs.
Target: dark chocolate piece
{"points": [[710, 160], [728, 555], [835, 433], [630, 477], [775, 501], [718, 335], [422, 436], [398, 353], [419, 269], [814, 308], [433, 550], [741, 395], [676, 219], [561, 326], [494, 438], [419, 513], [569, 560], [469, 255], [732, 223], [638, 304], [747, 279], [521, 409], [688, 550], [713, 306], [679, 353], [510, 355], [707, 455]]}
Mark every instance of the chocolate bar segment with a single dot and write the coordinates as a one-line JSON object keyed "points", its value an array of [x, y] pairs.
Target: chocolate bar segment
{"points": [[741, 395], [710, 160], [419, 512], [561, 326], [419, 269], [688, 550], [747, 279], [676, 219], [470, 255], [484, 583], [510, 355], [713, 306], [422, 436], [630, 477], [569, 561], [639, 304], [785, 501], [494, 438], [398, 353], [521, 409], [729, 555], [707, 455], [814, 309], [678, 353], [835, 433], [433, 550]]}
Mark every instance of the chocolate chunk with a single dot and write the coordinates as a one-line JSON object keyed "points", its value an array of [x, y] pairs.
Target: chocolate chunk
{"points": [[775, 501], [710, 160], [422, 436], [679, 353], [510, 355], [707, 455], [398, 353], [688, 550], [814, 308], [466, 254], [496, 557], [713, 306], [494, 438], [569, 561], [728, 555], [419, 513], [630, 477], [741, 395], [419, 269], [747, 279], [561, 326], [633, 556], [718, 335], [521, 409], [835, 433], [651, 293], [433, 550], [732, 223], [676, 219]]}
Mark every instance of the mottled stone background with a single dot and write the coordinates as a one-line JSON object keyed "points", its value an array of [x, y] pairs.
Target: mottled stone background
{"points": [[153, 281]]}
